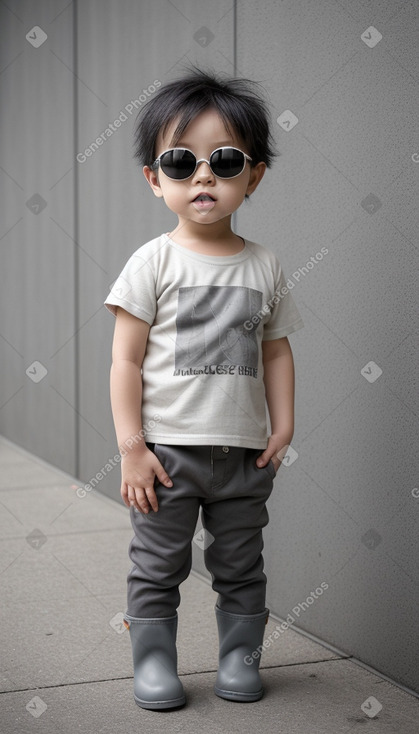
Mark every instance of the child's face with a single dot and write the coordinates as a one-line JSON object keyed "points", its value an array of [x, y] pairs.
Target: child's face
{"points": [[203, 135]]}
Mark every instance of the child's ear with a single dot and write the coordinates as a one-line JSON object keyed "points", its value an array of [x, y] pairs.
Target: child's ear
{"points": [[256, 175], [153, 180]]}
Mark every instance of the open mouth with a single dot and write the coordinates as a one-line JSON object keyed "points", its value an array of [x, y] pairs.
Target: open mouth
{"points": [[203, 202], [203, 197]]}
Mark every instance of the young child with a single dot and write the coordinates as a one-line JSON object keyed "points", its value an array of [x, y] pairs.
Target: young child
{"points": [[200, 347]]}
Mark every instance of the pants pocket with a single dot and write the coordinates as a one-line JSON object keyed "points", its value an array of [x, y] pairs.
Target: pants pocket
{"points": [[270, 469]]}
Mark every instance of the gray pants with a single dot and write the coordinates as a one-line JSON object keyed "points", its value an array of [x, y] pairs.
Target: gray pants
{"points": [[231, 490]]}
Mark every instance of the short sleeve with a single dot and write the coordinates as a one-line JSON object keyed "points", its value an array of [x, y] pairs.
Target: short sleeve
{"points": [[284, 317], [135, 290]]}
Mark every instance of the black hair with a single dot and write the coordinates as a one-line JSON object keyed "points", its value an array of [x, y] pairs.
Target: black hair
{"points": [[238, 101]]}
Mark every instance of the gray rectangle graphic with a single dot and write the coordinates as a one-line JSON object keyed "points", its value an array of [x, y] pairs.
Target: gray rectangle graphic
{"points": [[210, 327]]}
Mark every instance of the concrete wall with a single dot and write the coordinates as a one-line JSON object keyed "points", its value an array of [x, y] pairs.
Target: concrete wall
{"points": [[343, 103]]}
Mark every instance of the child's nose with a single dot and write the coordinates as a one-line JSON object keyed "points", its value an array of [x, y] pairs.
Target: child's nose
{"points": [[203, 172]]}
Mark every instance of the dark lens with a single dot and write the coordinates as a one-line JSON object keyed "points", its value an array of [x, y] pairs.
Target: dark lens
{"points": [[227, 162], [178, 163]]}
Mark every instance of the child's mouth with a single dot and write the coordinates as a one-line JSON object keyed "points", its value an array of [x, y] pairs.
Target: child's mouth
{"points": [[203, 203]]}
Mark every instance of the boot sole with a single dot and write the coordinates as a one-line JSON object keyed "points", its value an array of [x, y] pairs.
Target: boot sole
{"points": [[158, 705], [237, 696]]}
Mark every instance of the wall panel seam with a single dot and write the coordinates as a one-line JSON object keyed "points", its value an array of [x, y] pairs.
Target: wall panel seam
{"points": [[76, 263]]}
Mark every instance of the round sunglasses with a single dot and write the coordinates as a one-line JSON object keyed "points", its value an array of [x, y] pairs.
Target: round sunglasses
{"points": [[180, 163]]}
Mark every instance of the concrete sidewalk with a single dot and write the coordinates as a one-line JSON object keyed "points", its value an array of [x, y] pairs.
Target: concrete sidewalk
{"points": [[66, 657]]}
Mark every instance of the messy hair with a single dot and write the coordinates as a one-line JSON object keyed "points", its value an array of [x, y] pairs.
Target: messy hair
{"points": [[238, 102]]}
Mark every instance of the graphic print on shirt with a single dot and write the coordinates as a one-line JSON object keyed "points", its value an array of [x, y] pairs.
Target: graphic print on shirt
{"points": [[211, 337]]}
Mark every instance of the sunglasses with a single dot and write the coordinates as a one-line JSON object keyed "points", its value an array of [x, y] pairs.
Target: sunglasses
{"points": [[180, 163]]}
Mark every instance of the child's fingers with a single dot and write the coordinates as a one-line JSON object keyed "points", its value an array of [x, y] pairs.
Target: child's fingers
{"points": [[124, 494], [140, 493], [142, 499], [162, 475], [264, 458], [128, 495], [137, 499], [152, 498], [272, 452]]}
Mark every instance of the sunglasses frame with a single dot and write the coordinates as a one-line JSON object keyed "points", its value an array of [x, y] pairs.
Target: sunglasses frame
{"points": [[157, 163]]}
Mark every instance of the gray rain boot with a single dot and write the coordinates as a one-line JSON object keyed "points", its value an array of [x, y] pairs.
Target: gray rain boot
{"points": [[156, 682], [239, 635]]}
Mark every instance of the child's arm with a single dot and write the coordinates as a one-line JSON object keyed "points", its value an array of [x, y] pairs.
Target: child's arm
{"points": [[139, 465], [278, 367]]}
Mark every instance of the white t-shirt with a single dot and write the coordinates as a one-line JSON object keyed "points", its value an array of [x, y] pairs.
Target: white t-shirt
{"points": [[203, 370]]}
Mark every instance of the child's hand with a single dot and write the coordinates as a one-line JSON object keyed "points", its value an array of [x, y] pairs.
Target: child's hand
{"points": [[139, 470], [276, 449]]}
